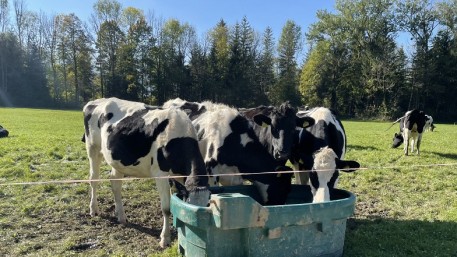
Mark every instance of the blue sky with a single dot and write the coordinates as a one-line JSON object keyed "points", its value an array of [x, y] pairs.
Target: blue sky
{"points": [[205, 14]]}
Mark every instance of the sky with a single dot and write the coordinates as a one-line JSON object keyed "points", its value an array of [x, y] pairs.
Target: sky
{"points": [[203, 15]]}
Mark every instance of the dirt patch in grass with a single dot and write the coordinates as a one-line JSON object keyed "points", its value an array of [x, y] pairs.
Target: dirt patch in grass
{"points": [[64, 229]]}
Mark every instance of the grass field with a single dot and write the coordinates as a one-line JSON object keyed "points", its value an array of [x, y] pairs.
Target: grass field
{"points": [[406, 205]]}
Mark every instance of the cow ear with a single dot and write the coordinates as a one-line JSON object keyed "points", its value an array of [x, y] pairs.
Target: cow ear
{"points": [[347, 166], [305, 122], [262, 120]]}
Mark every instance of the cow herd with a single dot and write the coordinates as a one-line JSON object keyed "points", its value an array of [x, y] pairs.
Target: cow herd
{"points": [[208, 144]]}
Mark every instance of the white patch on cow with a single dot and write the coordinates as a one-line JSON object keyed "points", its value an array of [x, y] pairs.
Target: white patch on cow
{"points": [[245, 139], [324, 165], [227, 180]]}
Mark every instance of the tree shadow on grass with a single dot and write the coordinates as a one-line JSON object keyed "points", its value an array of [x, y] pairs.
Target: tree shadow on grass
{"points": [[389, 237]]}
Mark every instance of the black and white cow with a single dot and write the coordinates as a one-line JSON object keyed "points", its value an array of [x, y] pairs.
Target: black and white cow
{"points": [[320, 149], [3, 132], [412, 126], [275, 127], [143, 141], [230, 146]]}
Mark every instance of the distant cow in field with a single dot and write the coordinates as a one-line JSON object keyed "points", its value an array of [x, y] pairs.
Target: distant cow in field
{"points": [[143, 141], [230, 145], [3, 132], [412, 126], [320, 149]]}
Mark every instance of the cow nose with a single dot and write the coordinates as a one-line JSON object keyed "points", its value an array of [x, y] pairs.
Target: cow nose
{"points": [[281, 155]]}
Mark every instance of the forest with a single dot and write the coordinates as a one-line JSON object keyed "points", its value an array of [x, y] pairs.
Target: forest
{"points": [[355, 61]]}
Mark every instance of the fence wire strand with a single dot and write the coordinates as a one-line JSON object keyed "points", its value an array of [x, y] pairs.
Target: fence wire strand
{"points": [[76, 181]]}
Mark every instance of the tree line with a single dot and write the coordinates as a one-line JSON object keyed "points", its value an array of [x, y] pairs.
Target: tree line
{"points": [[354, 62]]}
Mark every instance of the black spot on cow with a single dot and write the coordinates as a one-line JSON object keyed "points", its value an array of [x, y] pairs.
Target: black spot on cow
{"points": [[104, 118], [162, 161], [132, 139], [239, 125], [210, 165], [314, 179], [200, 134], [193, 110], [175, 154], [87, 115], [211, 150]]}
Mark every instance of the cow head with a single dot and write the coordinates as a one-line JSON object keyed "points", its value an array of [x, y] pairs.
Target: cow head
{"points": [[324, 175], [274, 188], [282, 122], [397, 140]]}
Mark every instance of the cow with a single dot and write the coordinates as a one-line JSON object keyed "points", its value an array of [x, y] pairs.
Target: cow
{"points": [[275, 127], [320, 150], [429, 125], [3, 132], [143, 141], [233, 153], [412, 126]]}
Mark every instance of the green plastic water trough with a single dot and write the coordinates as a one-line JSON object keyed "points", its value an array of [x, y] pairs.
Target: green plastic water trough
{"points": [[235, 224]]}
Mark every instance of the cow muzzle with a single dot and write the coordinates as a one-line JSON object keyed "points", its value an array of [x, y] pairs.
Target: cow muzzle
{"points": [[281, 155]]}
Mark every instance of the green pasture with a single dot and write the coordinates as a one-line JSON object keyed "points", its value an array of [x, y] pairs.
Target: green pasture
{"points": [[406, 205]]}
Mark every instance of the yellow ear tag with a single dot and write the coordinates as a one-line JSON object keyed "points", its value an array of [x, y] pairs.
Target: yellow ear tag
{"points": [[264, 125], [301, 161], [305, 124]]}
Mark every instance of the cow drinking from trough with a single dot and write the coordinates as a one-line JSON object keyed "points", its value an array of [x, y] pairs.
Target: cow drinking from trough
{"points": [[320, 149], [275, 128], [143, 141], [232, 150], [412, 125]]}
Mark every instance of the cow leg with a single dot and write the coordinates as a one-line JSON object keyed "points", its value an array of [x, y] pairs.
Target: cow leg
{"points": [[301, 178], [116, 186], [419, 139], [164, 193], [413, 142], [406, 143], [95, 159]]}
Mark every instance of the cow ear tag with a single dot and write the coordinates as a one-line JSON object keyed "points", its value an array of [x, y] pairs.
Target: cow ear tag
{"points": [[305, 124], [301, 161], [264, 125]]}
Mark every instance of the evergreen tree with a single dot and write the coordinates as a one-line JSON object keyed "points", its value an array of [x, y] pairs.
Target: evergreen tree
{"points": [[286, 88]]}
